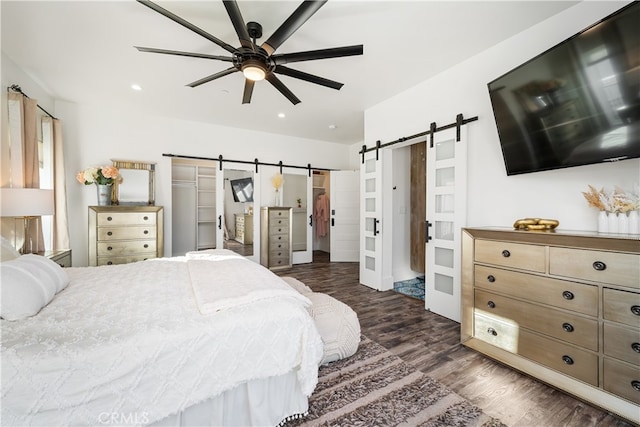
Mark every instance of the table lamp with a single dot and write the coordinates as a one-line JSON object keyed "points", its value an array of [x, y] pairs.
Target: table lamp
{"points": [[28, 204]]}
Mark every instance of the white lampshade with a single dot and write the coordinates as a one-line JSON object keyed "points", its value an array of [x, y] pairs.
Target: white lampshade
{"points": [[21, 202]]}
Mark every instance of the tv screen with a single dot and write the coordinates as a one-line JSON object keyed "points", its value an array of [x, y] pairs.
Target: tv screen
{"points": [[577, 103], [242, 189]]}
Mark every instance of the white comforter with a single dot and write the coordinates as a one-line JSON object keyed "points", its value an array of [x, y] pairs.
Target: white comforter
{"points": [[128, 343]]}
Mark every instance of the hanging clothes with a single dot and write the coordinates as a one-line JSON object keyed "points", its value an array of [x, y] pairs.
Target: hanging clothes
{"points": [[321, 214]]}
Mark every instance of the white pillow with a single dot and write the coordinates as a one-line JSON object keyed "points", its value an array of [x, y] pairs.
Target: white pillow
{"points": [[50, 270], [7, 251], [22, 293]]}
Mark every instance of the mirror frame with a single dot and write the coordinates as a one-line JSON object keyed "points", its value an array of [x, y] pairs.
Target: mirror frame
{"points": [[136, 165]]}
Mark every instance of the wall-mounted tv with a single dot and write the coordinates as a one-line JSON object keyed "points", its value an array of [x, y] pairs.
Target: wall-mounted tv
{"points": [[578, 103], [242, 189]]}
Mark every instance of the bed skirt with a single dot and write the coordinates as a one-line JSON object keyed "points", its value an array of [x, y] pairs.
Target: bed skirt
{"points": [[262, 402]]}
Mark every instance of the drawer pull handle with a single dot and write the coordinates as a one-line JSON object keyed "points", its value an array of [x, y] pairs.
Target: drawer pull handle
{"points": [[506, 253], [109, 248], [492, 331], [279, 237], [145, 232], [568, 295], [491, 278], [568, 327], [109, 218], [636, 347], [109, 233], [146, 245], [146, 218], [491, 304], [599, 266], [635, 309], [636, 385], [109, 262], [567, 359]]}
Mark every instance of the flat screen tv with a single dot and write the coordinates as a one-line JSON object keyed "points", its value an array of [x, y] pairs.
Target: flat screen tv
{"points": [[578, 103], [242, 189]]}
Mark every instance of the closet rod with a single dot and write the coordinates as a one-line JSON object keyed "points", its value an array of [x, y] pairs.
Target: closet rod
{"points": [[247, 162], [18, 89], [433, 129]]}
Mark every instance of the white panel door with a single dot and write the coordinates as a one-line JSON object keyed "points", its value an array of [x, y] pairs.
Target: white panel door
{"points": [[446, 215], [298, 186], [370, 224], [345, 216]]}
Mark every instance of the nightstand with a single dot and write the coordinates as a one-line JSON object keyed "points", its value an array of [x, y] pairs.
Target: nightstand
{"points": [[61, 256]]}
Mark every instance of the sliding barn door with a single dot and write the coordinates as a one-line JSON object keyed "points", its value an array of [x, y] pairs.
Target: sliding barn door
{"points": [[345, 216], [446, 216], [371, 218]]}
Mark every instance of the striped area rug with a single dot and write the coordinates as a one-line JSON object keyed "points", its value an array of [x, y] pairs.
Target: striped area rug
{"points": [[376, 388]]}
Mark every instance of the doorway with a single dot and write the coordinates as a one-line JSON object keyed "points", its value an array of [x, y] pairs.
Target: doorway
{"points": [[238, 229]]}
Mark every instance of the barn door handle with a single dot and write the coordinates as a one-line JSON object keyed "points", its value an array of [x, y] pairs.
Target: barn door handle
{"points": [[219, 222], [427, 224], [333, 222], [310, 219], [375, 226]]}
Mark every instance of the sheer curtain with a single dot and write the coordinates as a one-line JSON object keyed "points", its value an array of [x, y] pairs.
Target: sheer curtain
{"points": [[24, 138], [52, 129]]}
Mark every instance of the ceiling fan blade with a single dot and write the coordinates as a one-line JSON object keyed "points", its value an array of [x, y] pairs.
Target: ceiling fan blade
{"points": [[213, 76], [238, 23], [188, 25], [248, 91], [311, 55], [275, 81], [293, 22], [181, 53], [296, 74]]}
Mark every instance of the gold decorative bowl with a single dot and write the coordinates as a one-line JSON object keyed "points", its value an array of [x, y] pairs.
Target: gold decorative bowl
{"points": [[536, 224]]}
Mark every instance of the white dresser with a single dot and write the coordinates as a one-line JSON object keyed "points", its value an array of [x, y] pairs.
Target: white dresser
{"points": [[275, 237], [562, 307], [123, 234]]}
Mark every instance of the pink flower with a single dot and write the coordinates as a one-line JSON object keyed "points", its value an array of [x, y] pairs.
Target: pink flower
{"points": [[110, 171]]}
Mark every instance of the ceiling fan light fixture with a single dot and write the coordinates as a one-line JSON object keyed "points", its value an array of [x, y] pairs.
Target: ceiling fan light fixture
{"points": [[253, 70]]}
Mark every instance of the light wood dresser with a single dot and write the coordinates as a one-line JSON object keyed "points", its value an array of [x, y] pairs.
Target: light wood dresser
{"points": [[123, 234], [244, 229], [563, 307], [275, 237]]}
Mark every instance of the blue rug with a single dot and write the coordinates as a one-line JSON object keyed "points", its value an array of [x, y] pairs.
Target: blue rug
{"points": [[413, 288]]}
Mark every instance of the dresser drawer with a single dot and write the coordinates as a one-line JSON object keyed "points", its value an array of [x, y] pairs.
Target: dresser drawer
{"points": [[276, 260], [622, 342], [598, 266], [564, 358], [558, 293], [514, 255], [279, 226], [622, 379], [113, 260], [125, 218], [622, 306], [498, 332], [277, 214], [127, 247], [126, 233], [558, 324]]}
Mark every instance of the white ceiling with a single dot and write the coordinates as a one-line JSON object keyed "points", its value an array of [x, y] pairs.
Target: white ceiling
{"points": [[82, 51]]}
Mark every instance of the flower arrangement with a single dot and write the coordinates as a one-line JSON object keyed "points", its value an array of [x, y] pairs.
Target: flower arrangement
{"points": [[102, 175], [277, 180], [617, 201]]}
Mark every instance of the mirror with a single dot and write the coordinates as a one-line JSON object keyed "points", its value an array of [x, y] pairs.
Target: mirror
{"points": [[238, 211], [295, 195], [137, 186]]}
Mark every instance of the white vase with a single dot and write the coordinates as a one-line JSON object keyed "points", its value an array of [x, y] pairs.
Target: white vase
{"points": [[104, 194], [603, 222], [623, 223], [634, 222], [613, 222]]}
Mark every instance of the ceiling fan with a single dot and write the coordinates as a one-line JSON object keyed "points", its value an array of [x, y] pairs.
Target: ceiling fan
{"points": [[259, 62]]}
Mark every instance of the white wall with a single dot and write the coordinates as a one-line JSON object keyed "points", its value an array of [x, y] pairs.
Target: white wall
{"points": [[493, 198]]}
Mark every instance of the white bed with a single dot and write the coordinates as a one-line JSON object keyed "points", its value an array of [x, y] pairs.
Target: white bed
{"points": [[130, 345]]}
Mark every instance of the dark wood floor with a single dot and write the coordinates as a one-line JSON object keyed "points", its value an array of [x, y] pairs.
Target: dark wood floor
{"points": [[432, 344]]}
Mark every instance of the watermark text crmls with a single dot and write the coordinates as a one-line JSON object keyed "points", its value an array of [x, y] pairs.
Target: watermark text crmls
{"points": [[123, 418]]}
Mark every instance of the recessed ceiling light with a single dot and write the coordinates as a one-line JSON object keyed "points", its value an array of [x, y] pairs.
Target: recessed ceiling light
{"points": [[332, 127], [281, 115], [136, 87]]}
